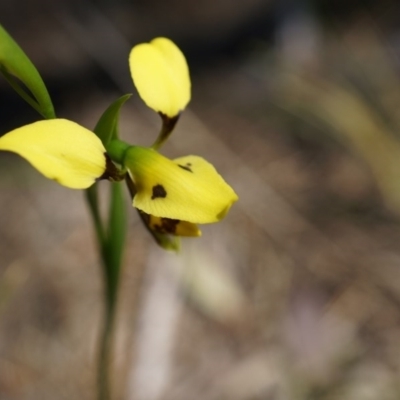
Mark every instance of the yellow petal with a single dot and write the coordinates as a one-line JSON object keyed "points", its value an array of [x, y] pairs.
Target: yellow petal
{"points": [[61, 150], [161, 75], [187, 189]]}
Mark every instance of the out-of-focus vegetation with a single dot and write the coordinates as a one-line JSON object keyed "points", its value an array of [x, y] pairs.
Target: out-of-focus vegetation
{"points": [[296, 295]]}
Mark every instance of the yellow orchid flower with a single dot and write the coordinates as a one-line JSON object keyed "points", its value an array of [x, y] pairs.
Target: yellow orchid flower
{"points": [[172, 196], [185, 189], [61, 150], [161, 75]]}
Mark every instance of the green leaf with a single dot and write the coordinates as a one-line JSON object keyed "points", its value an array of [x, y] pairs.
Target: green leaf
{"points": [[23, 76], [107, 126]]}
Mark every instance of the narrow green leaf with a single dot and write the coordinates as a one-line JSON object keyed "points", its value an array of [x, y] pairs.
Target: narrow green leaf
{"points": [[107, 126], [17, 68]]}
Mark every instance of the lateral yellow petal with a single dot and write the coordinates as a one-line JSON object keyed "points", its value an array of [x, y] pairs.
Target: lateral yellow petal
{"points": [[61, 150], [186, 189], [161, 75]]}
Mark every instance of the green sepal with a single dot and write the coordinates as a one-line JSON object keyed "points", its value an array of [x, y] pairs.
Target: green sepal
{"points": [[23, 76], [107, 126]]}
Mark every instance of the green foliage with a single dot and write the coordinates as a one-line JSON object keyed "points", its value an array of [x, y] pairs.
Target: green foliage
{"points": [[23, 76], [107, 126]]}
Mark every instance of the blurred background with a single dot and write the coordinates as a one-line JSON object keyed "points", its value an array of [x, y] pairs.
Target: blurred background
{"points": [[296, 294]]}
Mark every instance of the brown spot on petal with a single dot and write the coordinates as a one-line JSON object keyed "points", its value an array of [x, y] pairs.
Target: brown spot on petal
{"points": [[158, 192]]}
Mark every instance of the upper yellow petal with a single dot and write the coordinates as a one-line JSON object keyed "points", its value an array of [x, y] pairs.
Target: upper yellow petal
{"points": [[161, 75], [187, 189], [61, 150]]}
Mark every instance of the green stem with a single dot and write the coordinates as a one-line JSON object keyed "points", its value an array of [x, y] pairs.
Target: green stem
{"points": [[103, 373], [103, 384], [111, 245], [116, 149], [105, 345], [93, 203]]}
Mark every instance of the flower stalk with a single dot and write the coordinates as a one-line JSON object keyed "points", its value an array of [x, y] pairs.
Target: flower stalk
{"points": [[168, 125]]}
